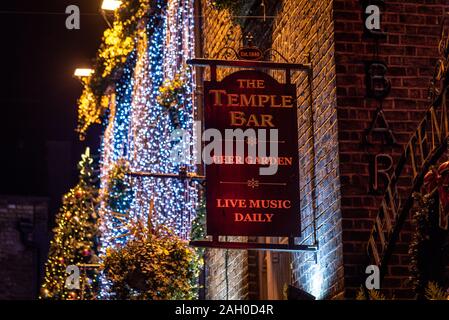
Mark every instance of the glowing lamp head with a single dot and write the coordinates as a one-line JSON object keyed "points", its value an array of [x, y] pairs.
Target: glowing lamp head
{"points": [[83, 72], [111, 5]]}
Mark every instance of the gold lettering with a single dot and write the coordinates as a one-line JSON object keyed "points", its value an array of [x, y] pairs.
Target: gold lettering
{"points": [[253, 84], [266, 119], [252, 121], [241, 83], [263, 99], [217, 96], [237, 118], [233, 100], [248, 102], [273, 102], [287, 101]]}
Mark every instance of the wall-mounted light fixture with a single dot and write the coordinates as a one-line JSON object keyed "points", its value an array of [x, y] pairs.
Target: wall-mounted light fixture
{"points": [[83, 72], [111, 5]]}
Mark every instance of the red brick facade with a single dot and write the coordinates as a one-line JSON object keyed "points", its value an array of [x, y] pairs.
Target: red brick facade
{"points": [[227, 276], [296, 39], [409, 50], [336, 166]]}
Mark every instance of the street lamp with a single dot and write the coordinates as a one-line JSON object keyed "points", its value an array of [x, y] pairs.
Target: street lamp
{"points": [[83, 72], [111, 5]]}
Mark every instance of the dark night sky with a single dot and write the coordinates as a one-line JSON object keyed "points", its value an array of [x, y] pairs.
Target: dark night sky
{"points": [[39, 148]]}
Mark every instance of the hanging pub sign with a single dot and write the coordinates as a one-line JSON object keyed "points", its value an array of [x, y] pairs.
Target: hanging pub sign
{"points": [[252, 174]]}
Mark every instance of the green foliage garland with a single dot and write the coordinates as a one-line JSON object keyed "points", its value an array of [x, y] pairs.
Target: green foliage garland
{"points": [[419, 240], [199, 223], [432, 292], [372, 295], [198, 230], [233, 6], [435, 292]]}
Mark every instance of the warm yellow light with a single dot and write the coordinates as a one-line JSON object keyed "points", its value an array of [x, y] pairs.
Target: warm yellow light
{"points": [[83, 72], [111, 5]]}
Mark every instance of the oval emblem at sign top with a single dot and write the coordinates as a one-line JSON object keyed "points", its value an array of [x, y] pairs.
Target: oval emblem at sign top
{"points": [[250, 54]]}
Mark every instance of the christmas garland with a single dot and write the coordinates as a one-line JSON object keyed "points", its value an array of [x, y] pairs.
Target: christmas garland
{"points": [[420, 237], [432, 292], [198, 230], [90, 109], [238, 9], [233, 6], [117, 44], [372, 295], [435, 292], [428, 239], [153, 265]]}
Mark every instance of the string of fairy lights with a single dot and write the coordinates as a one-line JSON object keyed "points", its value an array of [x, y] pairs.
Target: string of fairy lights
{"points": [[138, 130]]}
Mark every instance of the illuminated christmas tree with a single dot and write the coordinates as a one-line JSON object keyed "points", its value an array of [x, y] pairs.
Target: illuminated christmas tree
{"points": [[75, 238]]}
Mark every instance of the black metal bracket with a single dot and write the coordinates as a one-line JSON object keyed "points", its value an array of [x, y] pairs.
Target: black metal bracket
{"points": [[181, 175], [249, 64], [290, 247], [191, 177]]}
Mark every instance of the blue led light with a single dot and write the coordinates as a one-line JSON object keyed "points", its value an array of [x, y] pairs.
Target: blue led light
{"points": [[138, 129]]}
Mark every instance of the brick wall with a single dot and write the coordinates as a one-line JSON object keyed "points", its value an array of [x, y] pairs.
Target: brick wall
{"points": [[410, 51], [21, 249], [332, 33], [301, 28], [306, 28], [226, 270]]}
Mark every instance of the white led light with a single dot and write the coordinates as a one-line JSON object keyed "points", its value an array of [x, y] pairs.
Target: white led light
{"points": [[139, 129]]}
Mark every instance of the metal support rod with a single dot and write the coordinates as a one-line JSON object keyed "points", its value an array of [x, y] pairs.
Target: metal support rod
{"points": [[105, 17], [313, 170], [188, 176], [215, 243], [245, 64]]}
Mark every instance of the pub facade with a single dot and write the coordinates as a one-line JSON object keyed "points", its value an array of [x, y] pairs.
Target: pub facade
{"points": [[371, 137]]}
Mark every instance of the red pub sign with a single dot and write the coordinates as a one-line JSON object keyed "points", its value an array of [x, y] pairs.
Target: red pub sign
{"points": [[241, 200]]}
